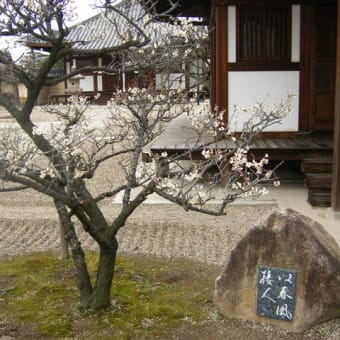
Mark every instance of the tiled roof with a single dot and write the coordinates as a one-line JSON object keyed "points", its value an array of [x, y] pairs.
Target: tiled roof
{"points": [[94, 33], [97, 32], [105, 31], [102, 31], [55, 73]]}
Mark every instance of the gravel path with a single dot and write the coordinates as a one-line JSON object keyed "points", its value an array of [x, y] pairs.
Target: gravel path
{"points": [[157, 229]]}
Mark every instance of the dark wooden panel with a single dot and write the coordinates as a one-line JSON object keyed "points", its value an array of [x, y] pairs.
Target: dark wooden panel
{"points": [[319, 181], [324, 67], [316, 166], [319, 198], [260, 66]]}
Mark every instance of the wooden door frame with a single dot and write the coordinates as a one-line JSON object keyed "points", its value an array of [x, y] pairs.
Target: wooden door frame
{"points": [[335, 200], [308, 119], [306, 87]]}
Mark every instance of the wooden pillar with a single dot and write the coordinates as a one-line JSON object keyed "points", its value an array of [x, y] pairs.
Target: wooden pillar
{"points": [[220, 56], [336, 148], [95, 75]]}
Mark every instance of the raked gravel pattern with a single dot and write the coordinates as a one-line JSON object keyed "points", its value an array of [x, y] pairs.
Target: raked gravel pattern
{"points": [[154, 229]]}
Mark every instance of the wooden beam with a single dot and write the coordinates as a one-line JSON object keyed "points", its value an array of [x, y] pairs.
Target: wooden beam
{"points": [[336, 150], [184, 8]]}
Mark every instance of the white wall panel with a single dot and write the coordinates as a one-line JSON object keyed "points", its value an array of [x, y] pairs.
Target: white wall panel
{"points": [[296, 24], [245, 88], [100, 82], [231, 34], [86, 84], [171, 81]]}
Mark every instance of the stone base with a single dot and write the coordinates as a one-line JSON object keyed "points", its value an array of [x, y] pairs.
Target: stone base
{"points": [[333, 215]]}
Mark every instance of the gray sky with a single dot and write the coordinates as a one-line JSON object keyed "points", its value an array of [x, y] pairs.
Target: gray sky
{"points": [[84, 10]]}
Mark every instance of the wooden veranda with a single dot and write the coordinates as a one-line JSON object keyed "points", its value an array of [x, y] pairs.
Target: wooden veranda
{"points": [[179, 137], [312, 150]]}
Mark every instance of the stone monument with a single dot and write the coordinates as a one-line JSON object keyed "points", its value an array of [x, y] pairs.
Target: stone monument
{"points": [[285, 271]]}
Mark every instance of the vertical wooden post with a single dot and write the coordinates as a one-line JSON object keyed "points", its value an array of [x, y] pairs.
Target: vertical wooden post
{"points": [[220, 56], [336, 147]]}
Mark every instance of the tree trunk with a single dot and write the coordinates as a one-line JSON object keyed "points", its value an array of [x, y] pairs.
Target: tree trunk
{"points": [[64, 246], [83, 278], [78, 256], [101, 296]]}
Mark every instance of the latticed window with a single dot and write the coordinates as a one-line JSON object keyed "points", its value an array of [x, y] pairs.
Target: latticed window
{"points": [[82, 62], [264, 34]]}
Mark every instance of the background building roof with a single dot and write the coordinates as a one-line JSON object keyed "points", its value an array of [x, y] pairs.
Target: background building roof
{"points": [[108, 29]]}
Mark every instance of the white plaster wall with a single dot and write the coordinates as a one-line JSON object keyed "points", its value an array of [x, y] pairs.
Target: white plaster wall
{"points": [[231, 34], [269, 87], [86, 84], [100, 82], [196, 69], [296, 24], [22, 90], [172, 81], [68, 67]]}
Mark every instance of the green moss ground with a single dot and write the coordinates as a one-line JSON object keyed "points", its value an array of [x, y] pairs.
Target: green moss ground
{"points": [[150, 296]]}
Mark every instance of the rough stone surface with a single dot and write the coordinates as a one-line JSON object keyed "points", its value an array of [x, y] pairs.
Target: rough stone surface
{"points": [[291, 241]]}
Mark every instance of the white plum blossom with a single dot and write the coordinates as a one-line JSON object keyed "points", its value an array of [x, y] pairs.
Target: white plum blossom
{"points": [[206, 153], [226, 159], [276, 183], [192, 175], [36, 131]]}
